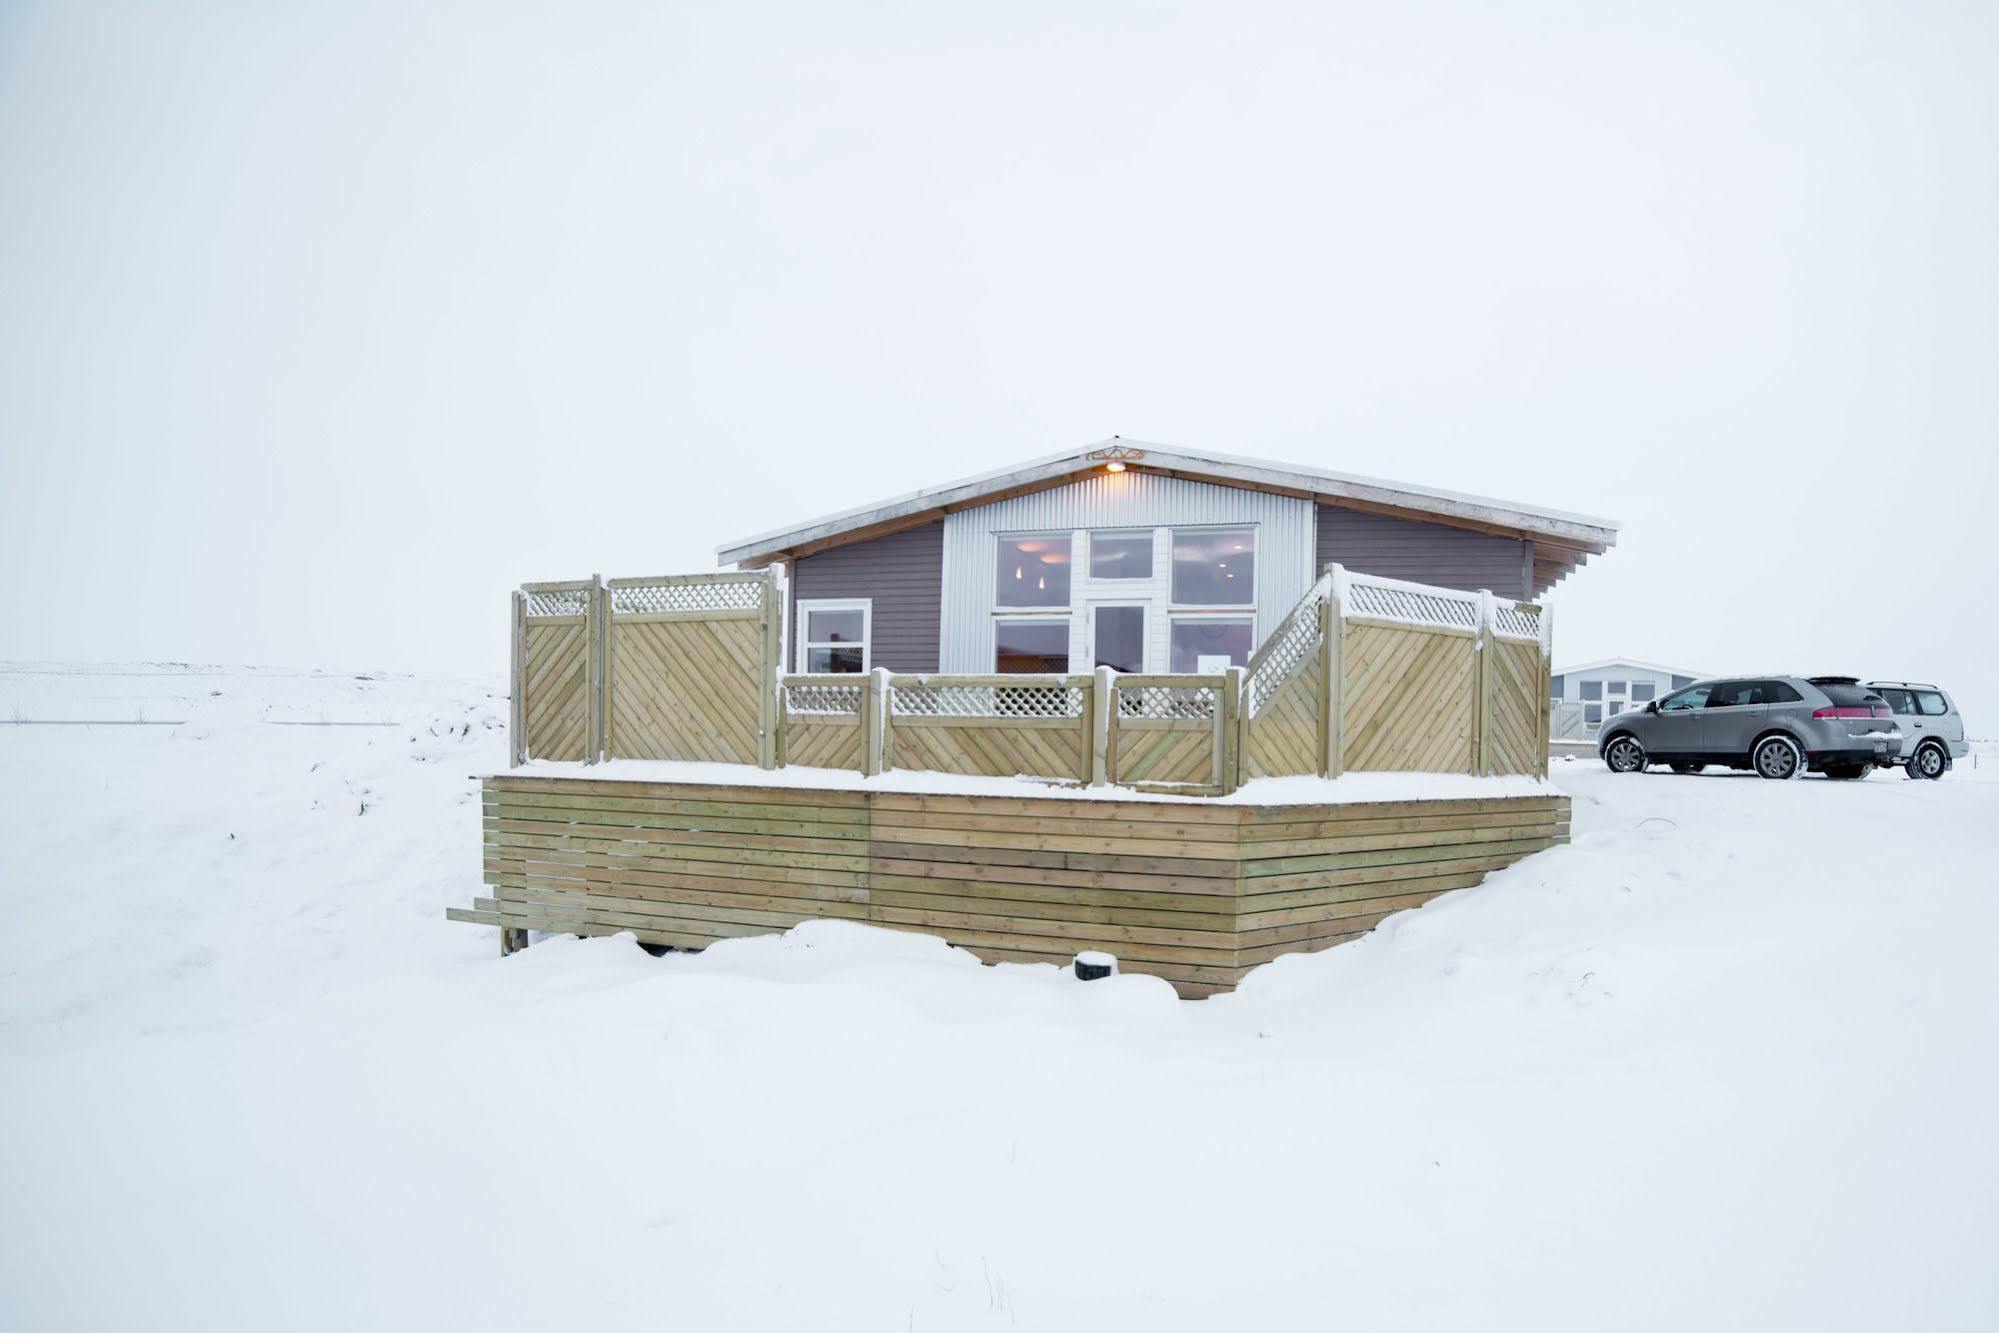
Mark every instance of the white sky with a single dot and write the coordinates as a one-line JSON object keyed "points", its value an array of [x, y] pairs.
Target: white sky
{"points": [[322, 325]]}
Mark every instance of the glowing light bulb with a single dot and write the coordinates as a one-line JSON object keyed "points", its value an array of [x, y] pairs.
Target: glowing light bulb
{"points": [[1041, 583], [1016, 571], [1115, 465]]}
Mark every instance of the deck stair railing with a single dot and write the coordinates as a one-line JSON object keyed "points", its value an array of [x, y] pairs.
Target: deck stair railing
{"points": [[1363, 673]]}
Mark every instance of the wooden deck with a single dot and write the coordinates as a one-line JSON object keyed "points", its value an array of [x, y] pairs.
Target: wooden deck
{"points": [[1196, 892]]}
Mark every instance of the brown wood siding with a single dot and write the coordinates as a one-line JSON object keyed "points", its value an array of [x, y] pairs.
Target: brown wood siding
{"points": [[1196, 893], [903, 573], [1401, 548]]}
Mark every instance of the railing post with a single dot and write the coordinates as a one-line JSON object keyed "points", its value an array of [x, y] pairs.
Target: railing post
{"points": [[874, 723], [1332, 683], [517, 684], [1229, 717], [593, 670], [770, 622], [1545, 631], [1103, 707], [600, 620], [1481, 752]]}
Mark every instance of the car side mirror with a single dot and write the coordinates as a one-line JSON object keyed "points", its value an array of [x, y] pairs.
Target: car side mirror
{"points": [[1651, 705]]}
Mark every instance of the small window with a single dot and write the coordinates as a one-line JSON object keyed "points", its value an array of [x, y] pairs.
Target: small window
{"points": [[1641, 691], [833, 635], [1121, 555], [1615, 687], [1902, 702], [1214, 567], [1686, 699], [1592, 714], [1932, 703], [1208, 644], [1034, 571], [1592, 689], [1776, 692], [1118, 637], [1031, 647]]}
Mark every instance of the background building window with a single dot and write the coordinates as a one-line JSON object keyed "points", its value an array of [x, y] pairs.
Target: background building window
{"points": [[1031, 646], [1641, 690], [833, 635], [1591, 689], [1207, 644], [1214, 567], [1034, 571], [1121, 555]]}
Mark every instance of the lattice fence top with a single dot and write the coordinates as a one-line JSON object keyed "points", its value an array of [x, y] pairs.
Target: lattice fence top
{"points": [[645, 598], [1516, 621], [1388, 599], [1288, 651], [1167, 701], [818, 697], [563, 602], [1030, 698]]}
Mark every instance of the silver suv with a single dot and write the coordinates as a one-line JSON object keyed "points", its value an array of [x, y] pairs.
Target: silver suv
{"points": [[1780, 726], [1932, 728]]}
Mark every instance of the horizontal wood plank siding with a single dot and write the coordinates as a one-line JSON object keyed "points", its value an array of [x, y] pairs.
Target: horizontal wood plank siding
{"points": [[902, 573], [1402, 548], [1196, 893]]}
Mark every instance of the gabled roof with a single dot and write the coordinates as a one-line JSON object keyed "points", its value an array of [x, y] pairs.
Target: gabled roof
{"points": [[1561, 540], [1630, 662]]}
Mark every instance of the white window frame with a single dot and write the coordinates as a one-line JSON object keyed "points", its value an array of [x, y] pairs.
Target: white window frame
{"points": [[1066, 619], [1234, 613], [1090, 536], [1000, 607], [1238, 608], [802, 619]]}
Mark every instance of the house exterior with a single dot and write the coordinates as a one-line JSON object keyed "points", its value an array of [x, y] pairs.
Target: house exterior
{"points": [[1142, 557], [1593, 691]]}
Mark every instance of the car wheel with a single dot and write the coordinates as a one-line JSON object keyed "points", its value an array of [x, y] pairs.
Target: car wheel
{"points": [[1927, 761], [1777, 758], [1688, 768], [1845, 771], [1624, 755]]}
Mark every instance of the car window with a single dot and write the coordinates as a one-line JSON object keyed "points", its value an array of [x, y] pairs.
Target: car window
{"points": [[1777, 692], [1732, 694], [1933, 704], [1685, 699], [1901, 701], [1846, 696]]}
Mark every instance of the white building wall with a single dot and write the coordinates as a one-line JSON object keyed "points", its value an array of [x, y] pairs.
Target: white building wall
{"points": [[1284, 554]]}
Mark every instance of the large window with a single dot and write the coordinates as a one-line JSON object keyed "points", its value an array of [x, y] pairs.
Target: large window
{"points": [[1209, 644], [833, 635], [1214, 566], [1023, 645], [1121, 555], [1034, 571], [1117, 637]]}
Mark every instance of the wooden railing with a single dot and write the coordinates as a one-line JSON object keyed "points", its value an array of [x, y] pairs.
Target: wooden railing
{"points": [[1364, 673]]}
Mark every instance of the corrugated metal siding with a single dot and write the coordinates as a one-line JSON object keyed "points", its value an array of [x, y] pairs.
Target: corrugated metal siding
{"points": [[902, 572], [1401, 548], [1125, 500]]}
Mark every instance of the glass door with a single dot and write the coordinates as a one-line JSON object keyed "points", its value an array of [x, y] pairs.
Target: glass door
{"points": [[1117, 636]]}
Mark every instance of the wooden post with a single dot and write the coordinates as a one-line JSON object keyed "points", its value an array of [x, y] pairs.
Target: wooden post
{"points": [[1103, 713], [593, 670], [1229, 717], [875, 724], [1332, 682], [517, 683], [771, 624], [1481, 712], [1545, 628]]}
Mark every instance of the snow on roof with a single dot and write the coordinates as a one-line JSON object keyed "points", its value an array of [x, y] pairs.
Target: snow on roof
{"points": [[1629, 662], [1583, 531]]}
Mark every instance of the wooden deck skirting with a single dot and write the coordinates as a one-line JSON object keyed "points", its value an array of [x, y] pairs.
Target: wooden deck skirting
{"points": [[1196, 892]]}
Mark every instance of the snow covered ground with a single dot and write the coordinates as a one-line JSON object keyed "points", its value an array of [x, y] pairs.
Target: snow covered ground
{"points": [[1724, 1062]]}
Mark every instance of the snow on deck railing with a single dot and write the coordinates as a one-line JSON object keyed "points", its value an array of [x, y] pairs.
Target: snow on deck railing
{"points": [[1516, 620], [1412, 603], [824, 695]]}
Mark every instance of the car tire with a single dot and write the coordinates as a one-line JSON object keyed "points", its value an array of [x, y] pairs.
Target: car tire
{"points": [[1624, 754], [1929, 761], [1688, 768], [1777, 757], [1846, 772]]}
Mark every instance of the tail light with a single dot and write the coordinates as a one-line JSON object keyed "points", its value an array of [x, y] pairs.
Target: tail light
{"points": [[1875, 710]]}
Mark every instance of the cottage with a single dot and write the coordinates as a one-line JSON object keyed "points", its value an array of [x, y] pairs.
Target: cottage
{"points": [[1142, 557], [1190, 709], [1583, 696]]}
